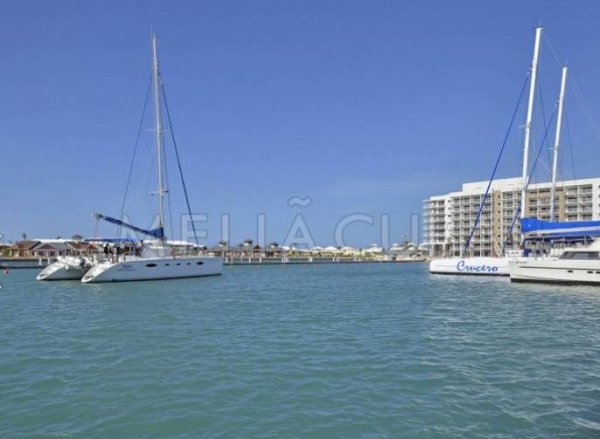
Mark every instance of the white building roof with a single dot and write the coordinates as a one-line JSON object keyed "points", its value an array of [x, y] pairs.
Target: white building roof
{"points": [[509, 184]]}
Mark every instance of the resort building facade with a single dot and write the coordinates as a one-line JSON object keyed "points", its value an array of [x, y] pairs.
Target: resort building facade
{"points": [[448, 219]]}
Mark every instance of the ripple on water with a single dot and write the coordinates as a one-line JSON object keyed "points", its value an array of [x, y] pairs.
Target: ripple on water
{"points": [[377, 350]]}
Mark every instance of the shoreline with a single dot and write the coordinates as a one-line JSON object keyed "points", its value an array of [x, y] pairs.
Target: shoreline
{"points": [[32, 264]]}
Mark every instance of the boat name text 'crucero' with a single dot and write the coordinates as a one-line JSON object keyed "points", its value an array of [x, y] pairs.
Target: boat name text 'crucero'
{"points": [[463, 266]]}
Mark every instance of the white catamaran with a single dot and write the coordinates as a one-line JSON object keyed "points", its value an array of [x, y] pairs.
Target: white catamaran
{"points": [[489, 265], [156, 259]]}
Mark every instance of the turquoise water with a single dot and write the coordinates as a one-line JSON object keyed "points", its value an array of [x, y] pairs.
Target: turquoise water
{"points": [[373, 350]]}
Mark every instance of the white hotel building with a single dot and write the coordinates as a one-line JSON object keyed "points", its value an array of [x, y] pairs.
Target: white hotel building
{"points": [[448, 219]]}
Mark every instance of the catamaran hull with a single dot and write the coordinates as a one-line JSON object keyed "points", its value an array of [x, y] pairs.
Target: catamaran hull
{"points": [[64, 269], [154, 269], [558, 271], [475, 266]]}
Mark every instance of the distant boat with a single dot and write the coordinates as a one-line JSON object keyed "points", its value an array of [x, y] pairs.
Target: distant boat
{"points": [[156, 259], [489, 265]]}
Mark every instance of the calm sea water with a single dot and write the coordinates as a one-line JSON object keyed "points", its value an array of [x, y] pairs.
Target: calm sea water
{"points": [[374, 350]]}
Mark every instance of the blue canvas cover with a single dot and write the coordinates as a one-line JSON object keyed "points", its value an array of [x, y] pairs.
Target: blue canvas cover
{"points": [[559, 229]]}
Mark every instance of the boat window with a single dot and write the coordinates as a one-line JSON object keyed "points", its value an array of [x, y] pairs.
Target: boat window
{"points": [[150, 265], [199, 263], [580, 256], [166, 265]]}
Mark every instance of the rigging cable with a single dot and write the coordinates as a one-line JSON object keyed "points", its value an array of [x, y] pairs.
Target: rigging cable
{"points": [[512, 120], [137, 141], [570, 145], [168, 193], [578, 94], [540, 97], [514, 220], [586, 110], [185, 192], [546, 127]]}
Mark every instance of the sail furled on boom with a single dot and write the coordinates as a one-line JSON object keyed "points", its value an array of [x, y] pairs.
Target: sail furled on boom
{"points": [[158, 233]]}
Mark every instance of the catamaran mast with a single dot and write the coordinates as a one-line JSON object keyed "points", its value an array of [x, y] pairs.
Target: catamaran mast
{"points": [[534, 63], [159, 131], [561, 98]]}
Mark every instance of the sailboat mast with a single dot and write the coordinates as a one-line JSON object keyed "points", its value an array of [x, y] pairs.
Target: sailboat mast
{"points": [[561, 98], [534, 63], [159, 130]]}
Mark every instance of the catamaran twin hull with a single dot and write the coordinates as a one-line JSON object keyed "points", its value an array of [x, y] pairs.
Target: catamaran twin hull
{"points": [[478, 266], [154, 269], [65, 268]]}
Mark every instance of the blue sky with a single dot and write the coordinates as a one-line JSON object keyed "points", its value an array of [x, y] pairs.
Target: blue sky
{"points": [[364, 106]]}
